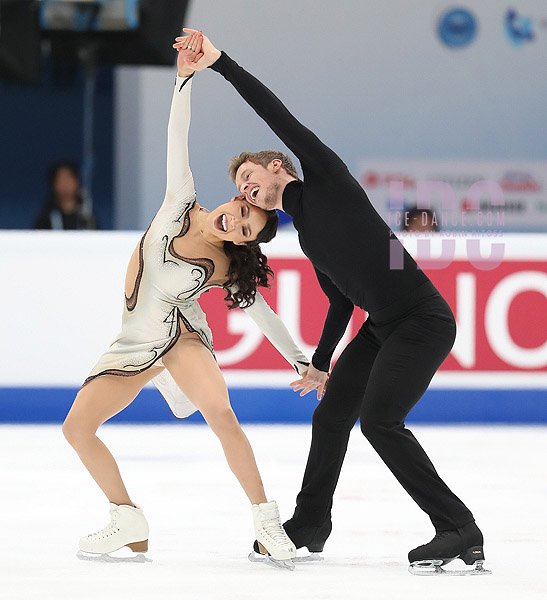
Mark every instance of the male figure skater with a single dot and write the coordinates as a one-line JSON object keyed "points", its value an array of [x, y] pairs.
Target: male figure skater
{"points": [[387, 367]]}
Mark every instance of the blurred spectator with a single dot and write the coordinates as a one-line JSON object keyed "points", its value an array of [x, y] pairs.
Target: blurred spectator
{"points": [[64, 208], [420, 219]]}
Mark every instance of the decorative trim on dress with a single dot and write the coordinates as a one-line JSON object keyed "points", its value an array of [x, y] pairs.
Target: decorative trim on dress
{"points": [[131, 302], [206, 264], [123, 373]]}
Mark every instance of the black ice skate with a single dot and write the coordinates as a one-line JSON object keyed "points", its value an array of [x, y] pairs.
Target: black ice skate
{"points": [[312, 537], [464, 543]]}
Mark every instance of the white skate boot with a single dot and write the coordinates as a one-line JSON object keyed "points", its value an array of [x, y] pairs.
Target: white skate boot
{"points": [[127, 527], [273, 545]]}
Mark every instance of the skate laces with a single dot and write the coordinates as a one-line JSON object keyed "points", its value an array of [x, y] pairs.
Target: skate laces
{"points": [[273, 528], [110, 529]]}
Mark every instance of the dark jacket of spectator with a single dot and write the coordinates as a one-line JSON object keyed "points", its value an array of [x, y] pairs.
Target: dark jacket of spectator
{"points": [[64, 208]]}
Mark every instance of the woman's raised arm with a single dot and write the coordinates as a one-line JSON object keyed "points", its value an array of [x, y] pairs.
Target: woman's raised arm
{"points": [[180, 183]]}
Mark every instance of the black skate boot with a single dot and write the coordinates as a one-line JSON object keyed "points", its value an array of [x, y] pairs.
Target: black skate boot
{"points": [[313, 537], [465, 543]]}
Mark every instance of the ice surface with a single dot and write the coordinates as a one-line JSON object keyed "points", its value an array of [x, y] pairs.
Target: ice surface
{"points": [[201, 525]]}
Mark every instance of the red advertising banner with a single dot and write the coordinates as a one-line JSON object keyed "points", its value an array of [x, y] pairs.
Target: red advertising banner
{"points": [[501, 316]]}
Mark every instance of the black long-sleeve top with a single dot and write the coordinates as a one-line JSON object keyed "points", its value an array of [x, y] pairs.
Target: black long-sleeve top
{"points": [[339, 230]]}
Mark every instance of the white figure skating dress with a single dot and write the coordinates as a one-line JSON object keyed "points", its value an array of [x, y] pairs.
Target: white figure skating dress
{"points": [[163, 303]]}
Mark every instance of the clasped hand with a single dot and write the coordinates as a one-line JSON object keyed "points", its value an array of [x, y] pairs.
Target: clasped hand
{"points": [[195, 52], [313, 379]]}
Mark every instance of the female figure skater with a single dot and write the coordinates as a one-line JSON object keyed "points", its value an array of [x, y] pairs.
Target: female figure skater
{"points": [[185, 251]]}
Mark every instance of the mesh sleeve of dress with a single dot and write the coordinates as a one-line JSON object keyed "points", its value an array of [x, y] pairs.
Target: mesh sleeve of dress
{"points": [[274, 329], [180, 183]]}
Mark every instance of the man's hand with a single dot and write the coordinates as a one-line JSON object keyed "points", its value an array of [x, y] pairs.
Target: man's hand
{"points": [[196, 61], [189, 50], [313, 379]]}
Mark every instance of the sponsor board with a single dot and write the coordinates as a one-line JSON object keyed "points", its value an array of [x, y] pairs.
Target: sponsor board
{"points": [[479, 197], [67, 290], [500, 312]]}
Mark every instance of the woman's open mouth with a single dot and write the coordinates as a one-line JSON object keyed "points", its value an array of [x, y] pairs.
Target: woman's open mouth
{"points": [[221, 223]]}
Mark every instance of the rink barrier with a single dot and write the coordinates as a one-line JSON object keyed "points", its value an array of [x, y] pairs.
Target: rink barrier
{"points": [[66, 295], [259, 405]]}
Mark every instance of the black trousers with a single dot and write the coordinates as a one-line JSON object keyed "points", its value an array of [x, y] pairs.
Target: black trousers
{"points": [[379, 377]]}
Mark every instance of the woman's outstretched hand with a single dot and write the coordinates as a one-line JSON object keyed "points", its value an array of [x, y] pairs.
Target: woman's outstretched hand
{"points": [[195, 51], [313, 379], [189, 50]]}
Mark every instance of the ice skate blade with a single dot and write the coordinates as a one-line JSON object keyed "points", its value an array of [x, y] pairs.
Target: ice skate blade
{"points": [[288, 565], [434, 567], [107, 558], [312, 557]]}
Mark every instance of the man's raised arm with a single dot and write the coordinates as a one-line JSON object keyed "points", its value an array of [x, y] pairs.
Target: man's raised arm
{"points": [[309, 149]]}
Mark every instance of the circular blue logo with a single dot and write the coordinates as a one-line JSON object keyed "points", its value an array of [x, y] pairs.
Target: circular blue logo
{"points": [[457, 27]]}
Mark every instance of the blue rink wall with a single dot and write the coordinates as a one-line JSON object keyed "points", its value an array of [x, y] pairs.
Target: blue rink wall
{"points": [[50, 405]]}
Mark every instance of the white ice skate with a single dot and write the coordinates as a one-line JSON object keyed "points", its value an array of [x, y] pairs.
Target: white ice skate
{"points": [[127, 528], [273, 545]]}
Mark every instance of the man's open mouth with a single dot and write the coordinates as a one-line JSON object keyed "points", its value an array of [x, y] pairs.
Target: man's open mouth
{"points": [[254, 193]]}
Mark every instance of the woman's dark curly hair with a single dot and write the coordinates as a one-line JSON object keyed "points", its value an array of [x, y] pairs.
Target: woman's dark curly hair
{"points": [[249, 266]]}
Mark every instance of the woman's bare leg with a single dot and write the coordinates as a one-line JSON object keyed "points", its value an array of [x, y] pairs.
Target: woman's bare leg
{"points": [[198, 376], [95, 403]]}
